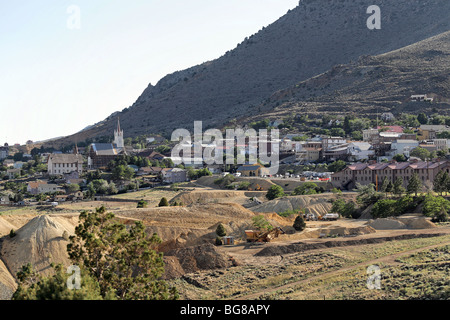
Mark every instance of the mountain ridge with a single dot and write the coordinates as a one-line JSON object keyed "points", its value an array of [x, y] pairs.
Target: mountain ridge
{"points": [[308, 41]]}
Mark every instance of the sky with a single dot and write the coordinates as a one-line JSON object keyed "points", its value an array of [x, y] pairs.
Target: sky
{"points": [[65, 65]]}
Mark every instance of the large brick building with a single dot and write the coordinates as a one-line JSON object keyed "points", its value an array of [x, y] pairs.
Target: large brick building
{"points": [[365, 174]]}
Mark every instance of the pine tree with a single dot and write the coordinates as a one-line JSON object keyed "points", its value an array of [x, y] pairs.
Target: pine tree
{"points": [[441, 182], [299, 223], [221, 231], [398, 187], [414, 184]]}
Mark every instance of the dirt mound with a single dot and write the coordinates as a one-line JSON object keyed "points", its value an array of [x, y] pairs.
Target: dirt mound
{"points": [[217, 196], [402, 223], [6, 227], [7, 283], [316, 204], [387, 224], [195, 259], [39, 242]]}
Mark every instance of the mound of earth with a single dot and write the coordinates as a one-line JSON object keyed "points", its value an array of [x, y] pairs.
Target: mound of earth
{"points": [[39, 242], [217, 196], [195, 259], [6, 227], [316, 204], [7, 283], [402, 223]]}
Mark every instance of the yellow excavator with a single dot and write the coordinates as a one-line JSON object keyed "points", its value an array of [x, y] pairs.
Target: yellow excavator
{"points": [[263, 236]]}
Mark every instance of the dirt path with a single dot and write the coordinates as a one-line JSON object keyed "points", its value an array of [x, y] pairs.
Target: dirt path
{"points": [[389, 259]]}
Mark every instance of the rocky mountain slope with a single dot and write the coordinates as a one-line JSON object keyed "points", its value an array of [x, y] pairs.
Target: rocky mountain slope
{"points": [[309, 40], [373, 84]]}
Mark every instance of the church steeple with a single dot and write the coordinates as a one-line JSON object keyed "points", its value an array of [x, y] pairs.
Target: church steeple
{"points": [[118, 136]]}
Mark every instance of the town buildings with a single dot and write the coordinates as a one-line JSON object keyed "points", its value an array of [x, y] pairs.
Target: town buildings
{"points": [[375, 173], [60, 164]]}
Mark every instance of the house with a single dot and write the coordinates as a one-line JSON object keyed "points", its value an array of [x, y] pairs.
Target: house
{"points": [[358, 151], [143, 171], [174, 175], [402, 147], [429, 132], [60, 164], [421, 97], [9, 163], [252, 170], [60, 198], [33, 187], [13, 173], [152, 155], [79, 195], [49, 188], [4, 152]]}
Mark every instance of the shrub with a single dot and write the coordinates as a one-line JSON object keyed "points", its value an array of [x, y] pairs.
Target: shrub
{"points": [[299, 223], [221, 231], [275, 192], [218, 241], [163, 203], [12, 233], [142, 204], [261, 223]]}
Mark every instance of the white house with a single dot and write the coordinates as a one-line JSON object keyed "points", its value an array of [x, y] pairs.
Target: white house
{"points": [[59, 164], [174, 175], [360, 151], [403, 147], [48, 188]]}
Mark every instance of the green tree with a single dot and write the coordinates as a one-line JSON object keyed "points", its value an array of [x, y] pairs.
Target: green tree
{"points": [[420, 153], [422, 118], [123, 260], [384, 208], [306, 188], [337, 166], [436, 207], [398, 188], [275, 192], [400, 158], [261, 223], [221, 231], [163, 202], [414, 184], [441, 182], [33, 286], [299, 223], [142, 204]]}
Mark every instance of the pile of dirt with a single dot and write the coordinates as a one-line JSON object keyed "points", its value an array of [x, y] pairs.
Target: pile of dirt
{"points": [[40, 242], [7, 283], [194, 259], [217, 196], [6, 227], [402, 223], [316, 204], [387, 224]]}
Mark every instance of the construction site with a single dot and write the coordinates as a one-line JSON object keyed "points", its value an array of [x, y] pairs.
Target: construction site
{"points": [[327, 259]]}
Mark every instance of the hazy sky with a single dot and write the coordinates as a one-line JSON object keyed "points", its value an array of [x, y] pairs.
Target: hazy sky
{"points": [[56, 78]]}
